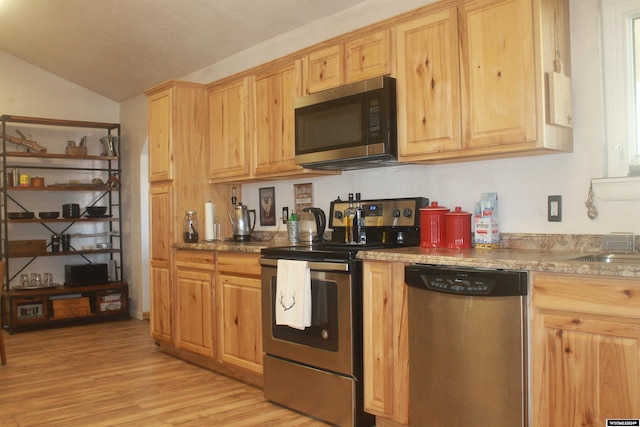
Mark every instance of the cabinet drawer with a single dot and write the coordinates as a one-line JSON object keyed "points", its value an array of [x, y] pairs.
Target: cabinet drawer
{"points": [[30, 309], [189, 258], [71, 307], [239, 263], [587, 294], [111, 302]]}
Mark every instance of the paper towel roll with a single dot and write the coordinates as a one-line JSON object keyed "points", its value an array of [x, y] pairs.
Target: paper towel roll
{"points": [[209, 233]]}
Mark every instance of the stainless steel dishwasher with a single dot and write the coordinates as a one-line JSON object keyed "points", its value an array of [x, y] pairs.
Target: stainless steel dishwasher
{"points": [[467, 346]]}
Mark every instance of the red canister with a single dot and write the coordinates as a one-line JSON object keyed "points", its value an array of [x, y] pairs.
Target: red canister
{"points": [[432, 230], [457, 229]]}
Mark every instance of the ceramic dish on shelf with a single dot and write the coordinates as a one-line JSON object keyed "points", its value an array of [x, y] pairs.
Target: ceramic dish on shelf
{"points": [[96, 210], [20, 215], [49, 215]]}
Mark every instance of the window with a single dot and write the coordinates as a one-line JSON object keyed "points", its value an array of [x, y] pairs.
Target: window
{"points": [[621, 55]]}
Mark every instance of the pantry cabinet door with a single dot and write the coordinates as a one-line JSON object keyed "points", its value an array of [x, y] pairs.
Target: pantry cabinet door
{"points": [[498, 73], [161, 232], [276, 92], [428, 86], [230, 130]]}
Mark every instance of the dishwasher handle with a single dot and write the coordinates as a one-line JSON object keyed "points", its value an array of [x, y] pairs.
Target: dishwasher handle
{"points": [[467, 281]]}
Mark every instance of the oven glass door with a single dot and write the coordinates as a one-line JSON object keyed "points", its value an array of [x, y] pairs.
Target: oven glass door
{"points": [[327, 343]]}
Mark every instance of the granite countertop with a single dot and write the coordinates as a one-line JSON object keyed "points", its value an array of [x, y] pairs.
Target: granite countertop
{"points": [[544, 253], [544, 260], [231, 246]]}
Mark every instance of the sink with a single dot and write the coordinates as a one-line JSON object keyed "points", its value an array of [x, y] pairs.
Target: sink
{"points": [[613, 258]]}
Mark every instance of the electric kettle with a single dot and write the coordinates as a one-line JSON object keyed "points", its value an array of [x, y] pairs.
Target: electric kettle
{"points": [[315, 231], [240, 221]]}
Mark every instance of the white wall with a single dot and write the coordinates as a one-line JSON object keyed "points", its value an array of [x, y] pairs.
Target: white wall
{"points": [[133, 123]]}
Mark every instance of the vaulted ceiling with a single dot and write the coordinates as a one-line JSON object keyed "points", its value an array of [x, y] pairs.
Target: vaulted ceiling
{"points": [[119, 48]]}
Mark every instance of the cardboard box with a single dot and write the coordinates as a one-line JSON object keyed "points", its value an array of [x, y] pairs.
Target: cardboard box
{"points": [[111, 302]]}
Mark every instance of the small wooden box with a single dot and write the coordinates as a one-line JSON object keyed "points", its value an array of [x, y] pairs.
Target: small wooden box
{"points": [[75, 151], [71, 307], [27, 247]]}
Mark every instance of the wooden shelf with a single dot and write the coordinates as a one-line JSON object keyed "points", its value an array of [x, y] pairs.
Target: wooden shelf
{"points": [[80, 219], [32, 155], [62, 253], [80, 187], [57, 122], [27, 309]]}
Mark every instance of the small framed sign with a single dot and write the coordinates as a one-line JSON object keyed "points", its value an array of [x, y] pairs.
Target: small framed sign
{"points": [[303, 198], [267, 206]]}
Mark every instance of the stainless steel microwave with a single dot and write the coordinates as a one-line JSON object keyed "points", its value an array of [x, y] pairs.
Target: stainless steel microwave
{"points": [[350, 127]]}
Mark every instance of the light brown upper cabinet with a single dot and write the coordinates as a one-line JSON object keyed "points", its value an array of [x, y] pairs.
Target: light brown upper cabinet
{"points": [[471, 80], [276, 91], [428, 85], [355, 60], [177, 127], [230, 126], [160, 143]]}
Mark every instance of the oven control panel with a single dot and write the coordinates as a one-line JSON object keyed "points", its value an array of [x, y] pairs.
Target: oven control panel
{"points": [[382, 213]]}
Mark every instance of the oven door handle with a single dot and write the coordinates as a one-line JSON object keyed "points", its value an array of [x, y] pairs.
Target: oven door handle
{"points": [[324, 266]]}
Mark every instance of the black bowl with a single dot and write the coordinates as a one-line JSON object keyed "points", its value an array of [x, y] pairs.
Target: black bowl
{"points": [[96, 210], [49, 215]]}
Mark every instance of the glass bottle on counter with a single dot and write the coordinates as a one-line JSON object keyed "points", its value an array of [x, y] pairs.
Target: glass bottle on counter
{"points": [[349, 215], [190, 227], [359, 234]]}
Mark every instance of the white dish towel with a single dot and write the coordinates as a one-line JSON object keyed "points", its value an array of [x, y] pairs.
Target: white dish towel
{"points": [[293, 294]]}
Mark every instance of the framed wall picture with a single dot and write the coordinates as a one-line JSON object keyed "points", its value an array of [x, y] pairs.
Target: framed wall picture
{"points": [[303, 198], [267, 205]]}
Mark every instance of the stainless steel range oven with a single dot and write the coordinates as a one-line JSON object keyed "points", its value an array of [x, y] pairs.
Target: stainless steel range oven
{"points": [[318, 370]]}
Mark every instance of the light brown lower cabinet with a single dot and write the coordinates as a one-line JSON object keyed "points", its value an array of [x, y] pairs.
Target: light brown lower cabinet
{"points": [[239, 318], [386, 342], [585, 355], [194, 290]]}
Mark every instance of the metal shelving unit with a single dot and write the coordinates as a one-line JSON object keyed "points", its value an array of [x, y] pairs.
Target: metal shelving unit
{"points": [[58, 162]]}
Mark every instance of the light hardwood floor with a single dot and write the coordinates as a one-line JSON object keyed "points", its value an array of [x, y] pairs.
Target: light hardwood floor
{"points": [[112, 374]]}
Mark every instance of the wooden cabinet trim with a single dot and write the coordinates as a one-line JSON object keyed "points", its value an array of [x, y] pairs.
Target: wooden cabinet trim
{"points": [[386, 341], [598, 295], [243, 264]]}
